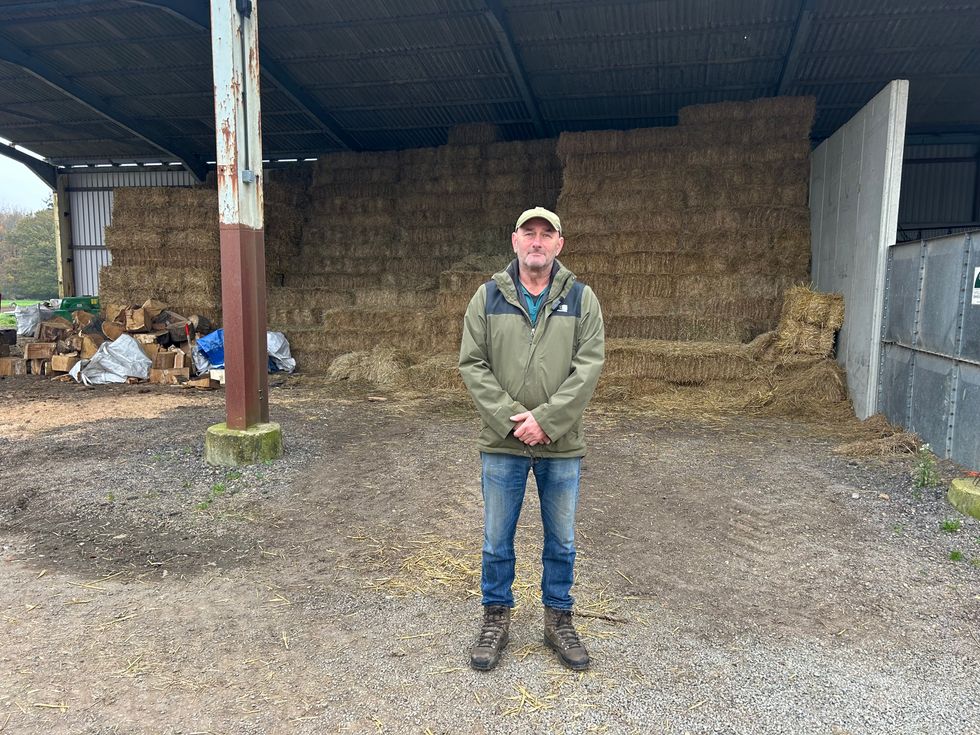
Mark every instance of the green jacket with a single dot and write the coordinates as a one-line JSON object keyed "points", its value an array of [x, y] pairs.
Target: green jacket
{"points": [[551, 368]]}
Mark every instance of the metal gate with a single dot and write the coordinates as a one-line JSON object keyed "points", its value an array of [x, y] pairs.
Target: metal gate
{"points": [[930, 357]]}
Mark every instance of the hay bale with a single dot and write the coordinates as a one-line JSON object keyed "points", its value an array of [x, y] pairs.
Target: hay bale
{"points": [[379, 366], [435, 374], [682, 363]]}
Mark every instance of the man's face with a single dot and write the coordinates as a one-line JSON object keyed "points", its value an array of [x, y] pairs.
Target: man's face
{"points": [[537, 244]]}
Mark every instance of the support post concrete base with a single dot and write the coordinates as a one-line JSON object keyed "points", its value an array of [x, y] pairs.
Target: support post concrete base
{"points": [[964, 495], [234, 447]]}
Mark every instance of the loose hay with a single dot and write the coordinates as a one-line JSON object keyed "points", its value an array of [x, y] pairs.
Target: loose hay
{"points": [[380, 366], [882, 438]]}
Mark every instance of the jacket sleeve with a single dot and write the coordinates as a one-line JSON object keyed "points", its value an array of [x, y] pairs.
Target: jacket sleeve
{"points": [[495, 405], [567, 404]]}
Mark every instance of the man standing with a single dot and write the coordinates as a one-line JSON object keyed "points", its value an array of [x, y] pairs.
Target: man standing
{"points": [[531, 353]]}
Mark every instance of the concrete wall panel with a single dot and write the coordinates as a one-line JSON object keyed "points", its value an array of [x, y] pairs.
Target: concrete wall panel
{"points": [[855, 186]]}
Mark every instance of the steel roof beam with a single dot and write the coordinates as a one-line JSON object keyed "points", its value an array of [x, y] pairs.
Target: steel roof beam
{"points": [[800, 34], [44, 171], [498, 23], [53, 78], [196, 13]]}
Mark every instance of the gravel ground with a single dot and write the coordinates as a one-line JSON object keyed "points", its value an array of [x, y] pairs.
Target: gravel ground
{"points": [[735, 575]]}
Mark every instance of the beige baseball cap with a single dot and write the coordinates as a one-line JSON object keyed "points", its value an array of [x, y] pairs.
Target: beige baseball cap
{"points": [[545, 214]]}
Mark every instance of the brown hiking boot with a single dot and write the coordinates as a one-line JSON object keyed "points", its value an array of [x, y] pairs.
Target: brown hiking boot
{"points": [[492, 639], [562, 638]]}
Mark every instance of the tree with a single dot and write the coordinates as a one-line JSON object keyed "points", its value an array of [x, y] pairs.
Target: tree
{"points": [[28, 257]]}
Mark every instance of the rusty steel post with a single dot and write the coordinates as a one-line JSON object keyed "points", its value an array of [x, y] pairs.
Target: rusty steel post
{"points": [[235, 52]]}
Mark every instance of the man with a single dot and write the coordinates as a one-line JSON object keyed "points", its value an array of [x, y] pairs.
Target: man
{"points": [[531, 353]]}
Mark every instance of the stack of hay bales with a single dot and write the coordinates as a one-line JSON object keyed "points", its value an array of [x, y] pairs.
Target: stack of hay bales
{"points": [[165, 246], [506, 179], [396, 243], [692, 232], [343, 290], [286, 206]]}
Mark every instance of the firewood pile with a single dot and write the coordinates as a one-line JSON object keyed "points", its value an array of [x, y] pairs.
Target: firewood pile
{"points": [[165, 337]]}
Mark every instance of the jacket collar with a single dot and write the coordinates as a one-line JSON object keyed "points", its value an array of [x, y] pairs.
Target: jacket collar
{"points": [[507, 280]]}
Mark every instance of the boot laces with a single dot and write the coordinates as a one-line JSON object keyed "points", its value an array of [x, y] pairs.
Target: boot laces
{"points": [[566, 631], [493, 628]]}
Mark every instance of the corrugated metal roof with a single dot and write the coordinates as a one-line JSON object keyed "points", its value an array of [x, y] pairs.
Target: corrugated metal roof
{"points": [[400, 73]]}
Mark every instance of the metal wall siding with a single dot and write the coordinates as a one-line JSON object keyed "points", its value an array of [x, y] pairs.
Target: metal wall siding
{"points": [[937, 193], [90, 196], [930, 361]]}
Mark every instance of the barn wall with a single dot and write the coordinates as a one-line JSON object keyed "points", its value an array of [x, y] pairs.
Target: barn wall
{"points": [[854, 195]]}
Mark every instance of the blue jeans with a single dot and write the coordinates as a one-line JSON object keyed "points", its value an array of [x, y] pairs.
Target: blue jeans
{"points": [[504, 483]]}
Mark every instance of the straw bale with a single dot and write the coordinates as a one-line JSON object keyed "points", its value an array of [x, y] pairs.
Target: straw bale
{"points": [[803, 304], [316, 340], [804, 339], [357, 160], [379, 366], [284, 298], [200, 241], [410, 204], [375, 321], [649, 220], [793, 110], [728, 286], [329, 192], [378, 208], [629, 286], [583, 236], [389, 298], [684, 327], [463, 281], [193, 198], [131, 237], [807, 389], [381, 175], [588, 143], [435, 374], [642, 139], [348, 282], [685, 363], [636, 263], [470, 133], [620, 199]]}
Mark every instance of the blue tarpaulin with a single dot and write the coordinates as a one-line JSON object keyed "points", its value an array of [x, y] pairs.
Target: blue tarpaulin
{"points": [[212, 347]]}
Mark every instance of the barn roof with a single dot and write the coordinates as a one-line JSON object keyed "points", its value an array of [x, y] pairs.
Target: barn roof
{"points": [[111, 81]]}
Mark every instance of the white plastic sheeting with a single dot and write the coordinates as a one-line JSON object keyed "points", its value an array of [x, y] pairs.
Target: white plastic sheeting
{"points": [[114, 362]]}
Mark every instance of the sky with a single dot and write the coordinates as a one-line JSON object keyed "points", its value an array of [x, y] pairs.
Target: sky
{"points": [[19, 188]]}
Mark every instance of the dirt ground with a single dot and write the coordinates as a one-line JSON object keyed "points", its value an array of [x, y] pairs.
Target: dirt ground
{"points": [[735, 575]]}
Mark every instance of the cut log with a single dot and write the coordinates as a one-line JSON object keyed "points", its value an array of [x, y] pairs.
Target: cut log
{"points": [[163, 360], [152, 309], [204, 383], [169, 377], [39, 350], [13, 366], [137, 320], [82, 318], [113, 330], [63, 363], [90, 345]]}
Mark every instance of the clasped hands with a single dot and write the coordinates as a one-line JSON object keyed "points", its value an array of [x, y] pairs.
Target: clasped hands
{"points": [[528, 430]]}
